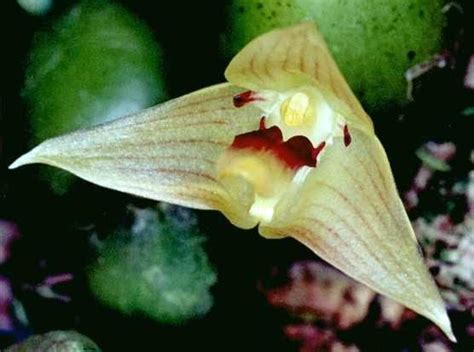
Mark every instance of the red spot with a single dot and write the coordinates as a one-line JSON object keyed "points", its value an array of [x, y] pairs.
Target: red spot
{"points": [[259, 140], [295, 152], [315, 152], [347, 136], [245, 98], [261, 125]]}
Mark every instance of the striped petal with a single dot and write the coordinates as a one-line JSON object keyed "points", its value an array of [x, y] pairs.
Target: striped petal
{"points": [[292, 58], [166, 153], [349, 213]]}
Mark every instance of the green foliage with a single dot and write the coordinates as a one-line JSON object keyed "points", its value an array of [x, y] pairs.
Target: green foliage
{"points": [[373, 41], [56, 341], [157, 268], [98, 62]]}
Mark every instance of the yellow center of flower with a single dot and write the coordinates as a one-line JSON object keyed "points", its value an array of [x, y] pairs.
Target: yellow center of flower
{"points": [[296, 109], [262, 172], [262, 167], [300, 112]]}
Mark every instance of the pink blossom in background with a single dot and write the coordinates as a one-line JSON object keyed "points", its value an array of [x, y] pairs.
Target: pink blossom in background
{"points": [[8, 233], [469, 77], [6, 298]]}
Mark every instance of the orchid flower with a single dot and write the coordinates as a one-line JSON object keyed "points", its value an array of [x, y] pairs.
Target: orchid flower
{"points": [[284, 145]]}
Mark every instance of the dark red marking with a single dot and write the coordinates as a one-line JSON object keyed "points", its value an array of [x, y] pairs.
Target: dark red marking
{"points": [[258, 140], [261, 125], [347, 136], [245, 98], [316, 151], [295, 152]]}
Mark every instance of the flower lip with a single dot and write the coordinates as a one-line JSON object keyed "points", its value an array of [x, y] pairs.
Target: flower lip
{"points": [[295, 153]]}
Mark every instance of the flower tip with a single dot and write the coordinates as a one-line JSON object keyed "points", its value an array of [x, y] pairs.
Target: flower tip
{"points": [[48, 152], [451, 337], [449, 332], [28, 158], [441, 318]]}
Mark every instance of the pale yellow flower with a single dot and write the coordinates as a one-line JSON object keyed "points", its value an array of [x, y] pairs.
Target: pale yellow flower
{"points": [[285, 146]]}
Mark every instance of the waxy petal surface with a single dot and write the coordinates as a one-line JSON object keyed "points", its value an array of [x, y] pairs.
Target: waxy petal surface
{"points": [[294, 57], [166, 153], [349, 213]]}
